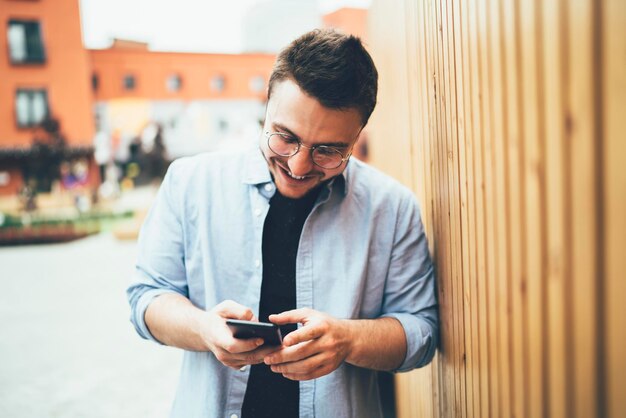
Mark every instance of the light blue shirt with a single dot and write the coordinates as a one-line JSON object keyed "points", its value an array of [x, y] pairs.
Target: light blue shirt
{"points": [[362, 254]]}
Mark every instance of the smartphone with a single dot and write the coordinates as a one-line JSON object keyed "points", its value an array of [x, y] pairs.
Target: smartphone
{"points": [[270, 333]]}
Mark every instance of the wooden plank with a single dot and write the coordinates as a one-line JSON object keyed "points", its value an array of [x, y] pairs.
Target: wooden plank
{"points": [[470, 149], [499, 178], [445, 290], [479, 191], [428, 170], [581, 135], [488, 138], [445, 396], [534, 200], [614, 205], [462, 118], [515, 228], [558, 213], [420, 381], [450, 163]]}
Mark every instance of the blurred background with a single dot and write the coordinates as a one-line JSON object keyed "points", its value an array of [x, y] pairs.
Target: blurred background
{"points": [[96, 99], [505, 117]]}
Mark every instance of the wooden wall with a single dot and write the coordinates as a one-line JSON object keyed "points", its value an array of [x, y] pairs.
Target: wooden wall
{"points": [[508, 120]]}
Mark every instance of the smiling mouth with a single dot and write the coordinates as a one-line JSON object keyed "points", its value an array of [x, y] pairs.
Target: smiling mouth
{"points": [[288, 173], [296, 177]]}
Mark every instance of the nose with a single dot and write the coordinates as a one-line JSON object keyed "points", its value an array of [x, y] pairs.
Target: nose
{"points": [[301, 163]]}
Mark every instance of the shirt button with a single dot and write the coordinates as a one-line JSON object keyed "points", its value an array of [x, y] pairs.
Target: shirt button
{"points": [[257, 212], [234, 416], [243, 368], [257, 262], [269, 187]]}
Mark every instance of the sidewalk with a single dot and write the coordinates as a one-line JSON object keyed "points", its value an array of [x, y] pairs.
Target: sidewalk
{"points": [[68, 349]]}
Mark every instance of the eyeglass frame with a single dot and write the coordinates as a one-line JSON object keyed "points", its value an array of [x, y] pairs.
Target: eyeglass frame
{"points": [[269, 134]]}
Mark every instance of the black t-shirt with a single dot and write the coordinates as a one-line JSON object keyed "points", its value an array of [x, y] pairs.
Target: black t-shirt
{"points": [[269, 394]]}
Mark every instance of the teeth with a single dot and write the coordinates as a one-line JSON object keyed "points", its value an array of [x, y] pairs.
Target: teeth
{"points": [[294, 177]]}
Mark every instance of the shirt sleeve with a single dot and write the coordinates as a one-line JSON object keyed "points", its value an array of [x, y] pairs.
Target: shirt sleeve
{"points": [[160, 266], [410, 292]]}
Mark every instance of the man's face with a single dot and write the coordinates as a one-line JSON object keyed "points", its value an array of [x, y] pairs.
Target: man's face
{"points": [[291, 111]]}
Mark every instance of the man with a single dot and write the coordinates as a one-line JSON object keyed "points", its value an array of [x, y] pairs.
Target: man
{"points": [[297, 234]]}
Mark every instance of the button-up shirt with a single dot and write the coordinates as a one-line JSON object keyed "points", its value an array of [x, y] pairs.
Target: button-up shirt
{"points": [[363, 254]]}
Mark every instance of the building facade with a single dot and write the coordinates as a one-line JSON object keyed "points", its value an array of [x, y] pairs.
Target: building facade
{"points": [[44, 70], [202, 102]]}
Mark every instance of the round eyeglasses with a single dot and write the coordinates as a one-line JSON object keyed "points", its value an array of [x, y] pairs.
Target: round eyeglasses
{"points": [[323, 156]]}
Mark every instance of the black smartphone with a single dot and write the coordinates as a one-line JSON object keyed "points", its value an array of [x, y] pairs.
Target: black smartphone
{"points": [[270, 333]]}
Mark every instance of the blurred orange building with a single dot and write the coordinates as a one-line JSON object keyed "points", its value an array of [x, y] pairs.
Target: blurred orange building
{"points": [[44, 70], [202, 101], [130, 70]]}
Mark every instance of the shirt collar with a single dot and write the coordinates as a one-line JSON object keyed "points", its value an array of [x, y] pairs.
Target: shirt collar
{"points": [[257, 172]]}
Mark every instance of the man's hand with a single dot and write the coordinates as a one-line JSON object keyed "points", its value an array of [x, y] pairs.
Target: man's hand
{"points": [[230, 351], [315, 349]]}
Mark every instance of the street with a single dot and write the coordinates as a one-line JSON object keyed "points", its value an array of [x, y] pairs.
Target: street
{"points": [[67, 347]]}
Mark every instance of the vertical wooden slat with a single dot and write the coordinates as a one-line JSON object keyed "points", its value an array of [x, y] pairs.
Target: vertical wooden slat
{"points": [[447, 234], [471, 285], [455, 205], [479, 214], [558, 254], [460, 50], [499, 176], [515, 199], [534, 219], [447, 375], [488, 139], [444, 253], [614, 204], [429, 150], [420, 381], [580, 131], [451, 165]]}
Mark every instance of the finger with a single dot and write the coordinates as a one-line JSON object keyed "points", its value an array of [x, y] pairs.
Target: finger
{"points": [[321, 371], [234, 310], [303, 366], [305, 333], [253, 357], [290, 317], [293, 353], [239, 345]]}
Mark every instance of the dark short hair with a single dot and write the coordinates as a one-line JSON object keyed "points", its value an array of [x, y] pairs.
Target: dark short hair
{"points": [[331, 67]]}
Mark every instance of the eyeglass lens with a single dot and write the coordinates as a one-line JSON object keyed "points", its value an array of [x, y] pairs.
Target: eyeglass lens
{"points": [[286, 146]]}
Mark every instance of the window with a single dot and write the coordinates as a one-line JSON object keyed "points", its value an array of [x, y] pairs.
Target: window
{"points": [[173, 82], [25, 44], [129, 82], [31, 107], [95, 82], [218, 83]]}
